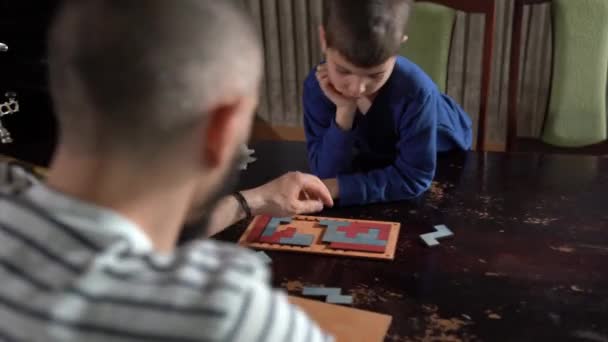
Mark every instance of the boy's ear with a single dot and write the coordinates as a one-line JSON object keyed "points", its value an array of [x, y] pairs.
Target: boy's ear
{"points": [[322, 39], [404, 39]]}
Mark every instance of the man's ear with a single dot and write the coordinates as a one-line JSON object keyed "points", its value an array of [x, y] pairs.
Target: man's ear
{"points": [[322, 38], [221, 132], [404, 39]]}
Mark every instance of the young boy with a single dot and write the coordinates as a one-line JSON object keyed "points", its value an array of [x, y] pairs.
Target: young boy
{"points": [[375, 121]]}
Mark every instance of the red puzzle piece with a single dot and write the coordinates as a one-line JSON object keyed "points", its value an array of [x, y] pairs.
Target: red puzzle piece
{"points": [[357, 228], [357, 247], [278, 235], [260, 224]]}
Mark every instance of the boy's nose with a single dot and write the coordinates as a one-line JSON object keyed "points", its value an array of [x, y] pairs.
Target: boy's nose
{"points": [[357, 88], [362, 88]]}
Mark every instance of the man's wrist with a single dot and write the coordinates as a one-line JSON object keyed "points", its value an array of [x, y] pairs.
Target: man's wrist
{"points": [[243, 204], [254, 200]]}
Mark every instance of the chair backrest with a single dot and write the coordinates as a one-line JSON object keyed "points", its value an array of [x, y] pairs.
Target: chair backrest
{"points": [[430, 49], [576, 114], [429, 46]]}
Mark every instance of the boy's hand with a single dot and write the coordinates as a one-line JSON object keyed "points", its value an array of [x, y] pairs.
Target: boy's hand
{"points": [[345, 107], [292, 194]]}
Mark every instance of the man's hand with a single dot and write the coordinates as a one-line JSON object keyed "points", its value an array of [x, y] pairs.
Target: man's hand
{"points": [[292, 194], [345, 107]]}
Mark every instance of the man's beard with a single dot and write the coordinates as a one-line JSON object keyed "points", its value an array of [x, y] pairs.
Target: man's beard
{"points": [[196, 227]]}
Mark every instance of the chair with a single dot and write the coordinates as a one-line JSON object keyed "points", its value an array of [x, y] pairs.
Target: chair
{"points": [[430, 49], [576, 114]]}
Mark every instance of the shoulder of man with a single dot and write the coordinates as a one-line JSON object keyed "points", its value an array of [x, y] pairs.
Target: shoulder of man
{"points": [[15, 177], [219, 292]]}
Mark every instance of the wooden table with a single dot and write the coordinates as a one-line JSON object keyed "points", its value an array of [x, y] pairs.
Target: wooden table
{"points": [[528, 262]]}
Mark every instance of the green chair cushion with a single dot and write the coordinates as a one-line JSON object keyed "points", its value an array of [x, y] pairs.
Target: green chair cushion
{"points": [[430, 37], [577, 109]]}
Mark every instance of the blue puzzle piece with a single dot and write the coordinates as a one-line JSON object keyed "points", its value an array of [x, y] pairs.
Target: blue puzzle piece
{"points": [[370, 238], [339, 299], [321, 291], [274, 223], [441, 231], [334, 224], [298, 240]]}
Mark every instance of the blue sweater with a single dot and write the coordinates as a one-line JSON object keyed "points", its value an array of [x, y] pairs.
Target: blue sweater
{"points": [[391, 152]]}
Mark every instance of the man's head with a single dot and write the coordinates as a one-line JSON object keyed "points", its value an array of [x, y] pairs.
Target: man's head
{"points": [[361, 39], [155, 82]]}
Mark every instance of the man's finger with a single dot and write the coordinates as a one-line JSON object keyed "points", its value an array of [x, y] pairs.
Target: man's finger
{"points": [[315, 188], [304, 195], [308, 206]]}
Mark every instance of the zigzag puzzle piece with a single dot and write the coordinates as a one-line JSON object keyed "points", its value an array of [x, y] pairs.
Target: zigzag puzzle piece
{"points": [[321, 291], [442, 231], [333, 295], [339, 299]]}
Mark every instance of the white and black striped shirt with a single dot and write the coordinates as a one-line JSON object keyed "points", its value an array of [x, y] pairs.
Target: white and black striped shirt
{"points": [[71, 271]]}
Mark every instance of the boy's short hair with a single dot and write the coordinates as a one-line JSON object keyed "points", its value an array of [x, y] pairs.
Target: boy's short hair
{"points": [[365, 32]]}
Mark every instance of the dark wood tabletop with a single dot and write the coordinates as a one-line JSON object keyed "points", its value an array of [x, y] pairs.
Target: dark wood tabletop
{"points": [[528, 262]]}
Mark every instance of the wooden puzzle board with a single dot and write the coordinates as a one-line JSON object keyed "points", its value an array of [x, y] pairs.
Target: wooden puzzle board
{"points": [[346, 324], [310, 225]]}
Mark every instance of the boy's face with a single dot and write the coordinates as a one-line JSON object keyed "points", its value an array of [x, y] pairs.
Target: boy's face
{"points": [[355, 82]]}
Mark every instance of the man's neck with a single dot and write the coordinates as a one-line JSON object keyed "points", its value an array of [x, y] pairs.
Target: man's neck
{"points": [[158, 207]]}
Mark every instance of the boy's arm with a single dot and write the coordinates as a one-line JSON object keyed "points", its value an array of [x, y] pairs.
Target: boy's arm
{"points": [[329, 136], [412, 171]]}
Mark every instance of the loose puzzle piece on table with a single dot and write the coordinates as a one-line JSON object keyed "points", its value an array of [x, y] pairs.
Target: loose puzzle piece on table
{"points": [[332, 295], [369, 239], [441, 231]]}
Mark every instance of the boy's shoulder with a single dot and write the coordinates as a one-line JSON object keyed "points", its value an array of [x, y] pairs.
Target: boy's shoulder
{"points": [[410, 80], [310, 82]]}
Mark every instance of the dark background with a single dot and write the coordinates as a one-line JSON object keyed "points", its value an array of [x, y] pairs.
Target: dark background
{"points": [[23, 70]]}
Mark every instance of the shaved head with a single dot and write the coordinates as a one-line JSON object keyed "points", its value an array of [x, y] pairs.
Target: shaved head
{"points": [[133, 76]]}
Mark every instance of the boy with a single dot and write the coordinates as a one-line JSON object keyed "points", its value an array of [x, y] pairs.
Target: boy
{"points": [[375, 121]]}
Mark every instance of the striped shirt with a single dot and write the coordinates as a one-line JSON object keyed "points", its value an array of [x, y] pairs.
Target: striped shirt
{"points": [[71, 271]]}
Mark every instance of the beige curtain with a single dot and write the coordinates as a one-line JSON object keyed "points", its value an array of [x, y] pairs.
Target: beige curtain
{"points": [[289, 31], [291, 46]]}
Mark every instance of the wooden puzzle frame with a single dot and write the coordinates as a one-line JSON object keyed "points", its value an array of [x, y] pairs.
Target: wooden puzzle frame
{"points": [[311, 225]]}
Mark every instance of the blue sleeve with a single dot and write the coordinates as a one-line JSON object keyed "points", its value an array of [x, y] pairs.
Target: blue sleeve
{"points": [[329, 147], [413, 170]]}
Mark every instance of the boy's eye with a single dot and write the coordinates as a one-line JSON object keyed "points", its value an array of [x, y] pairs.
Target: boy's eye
{"points": [[377, 76], [342, 71]]}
